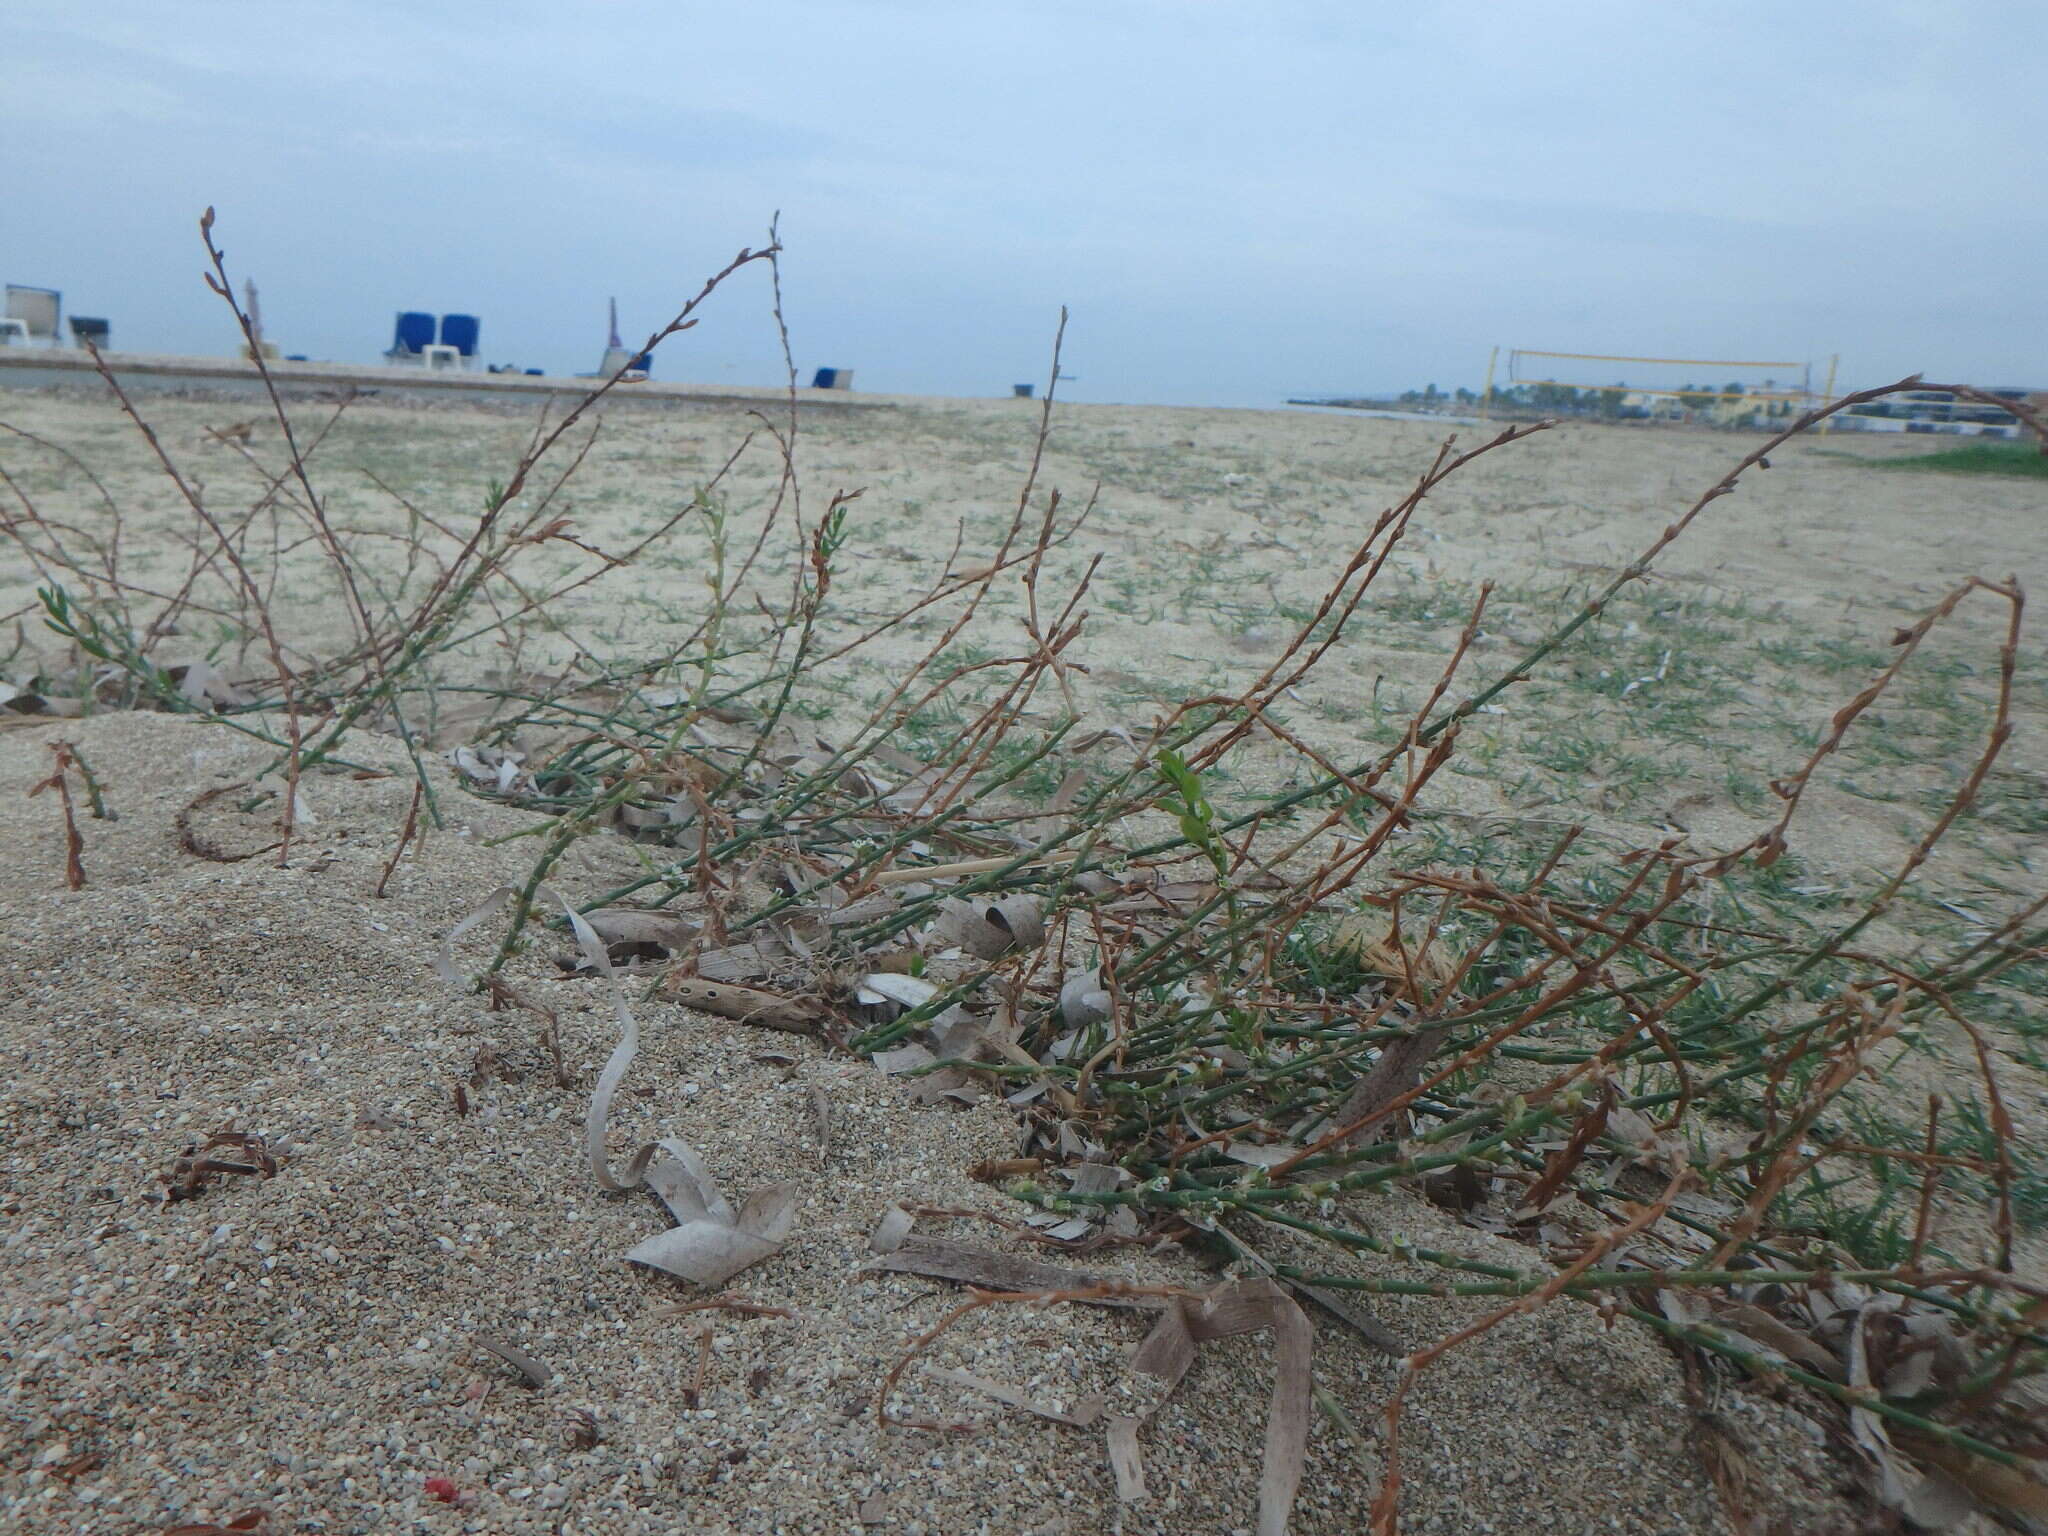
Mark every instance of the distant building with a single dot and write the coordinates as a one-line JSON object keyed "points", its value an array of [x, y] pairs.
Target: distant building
{"points": [[1757, 407], [1940, 411]]}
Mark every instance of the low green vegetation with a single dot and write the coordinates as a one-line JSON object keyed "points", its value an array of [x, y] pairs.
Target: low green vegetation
{"points": [[1980, 459]]}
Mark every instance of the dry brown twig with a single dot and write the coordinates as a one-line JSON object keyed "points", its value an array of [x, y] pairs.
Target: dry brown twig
{"points": [[197, 1166], [412, 821], [74, 841]]}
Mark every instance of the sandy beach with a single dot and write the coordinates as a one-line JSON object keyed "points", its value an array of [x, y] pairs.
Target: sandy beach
{"points": [[306, 1343]]}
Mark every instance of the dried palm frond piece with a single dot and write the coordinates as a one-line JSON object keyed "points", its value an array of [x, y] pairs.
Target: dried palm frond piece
{"points": [[1243, 1306], [1880, 1351], [1186, 1321], [710, 1243]]}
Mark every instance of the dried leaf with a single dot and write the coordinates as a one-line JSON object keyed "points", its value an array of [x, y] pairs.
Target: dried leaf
{"points": [[1098, 1178], [1563, 1162], [1287, 1416], [1071, 1230], [866, 910], [1937, 1503], [532, 1371], [1985, 1480], [1867, 1428], [1758, 1327], [599, 1114], [885, 996], [251, 1522], [1071, 785], [502, 771], [1351, 1314], [580, 1431], [1269, 1154], [1084, 1413], [917, 874], [904, 1058], [709, 1244], [444, 958], [938, 1258], [742, 962], [821, 1119], [990, 929], [636, 927], [1126, 1460], [1398, 1070], [947, 1083], [204, 683], [1083, 1000], [960, 1037], [1245, 1306], [890, 1231], [1459, 1188]]}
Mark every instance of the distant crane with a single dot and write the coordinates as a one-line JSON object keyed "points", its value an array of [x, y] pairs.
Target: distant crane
{"points": [[616, 357], [257, 347]]}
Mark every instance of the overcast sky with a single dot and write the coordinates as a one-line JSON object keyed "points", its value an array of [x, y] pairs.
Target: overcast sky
{"points": [[1239, 201]]}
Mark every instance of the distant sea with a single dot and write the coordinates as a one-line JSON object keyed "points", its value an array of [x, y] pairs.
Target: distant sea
{"points": [[1380, 415]]}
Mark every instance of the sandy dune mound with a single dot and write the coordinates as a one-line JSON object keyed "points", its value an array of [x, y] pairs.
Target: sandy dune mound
{"points": [[306, 1343]]}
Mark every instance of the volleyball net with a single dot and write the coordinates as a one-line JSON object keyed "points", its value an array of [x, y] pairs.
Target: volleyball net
{"points": [[1659, 386]]}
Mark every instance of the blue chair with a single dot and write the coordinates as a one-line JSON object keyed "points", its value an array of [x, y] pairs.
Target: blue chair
{"points": [[460, 332], [414, 335]]}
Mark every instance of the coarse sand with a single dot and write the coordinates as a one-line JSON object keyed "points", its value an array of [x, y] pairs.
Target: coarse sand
{"points": [[305, 1343]]}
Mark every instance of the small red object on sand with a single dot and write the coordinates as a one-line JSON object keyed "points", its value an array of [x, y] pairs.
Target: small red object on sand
{"points": [[443, 1489]]}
